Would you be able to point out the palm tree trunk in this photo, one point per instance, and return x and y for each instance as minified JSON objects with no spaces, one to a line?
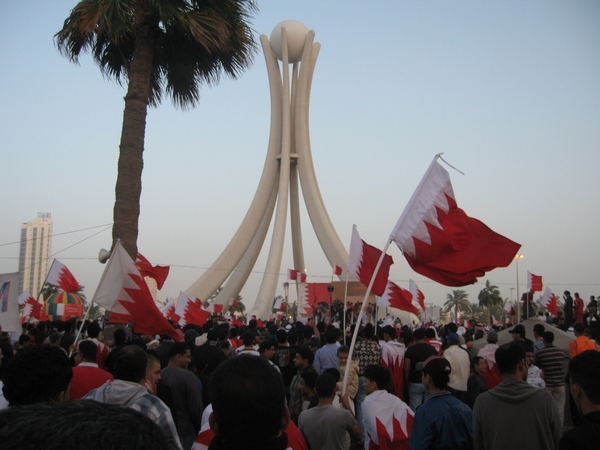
{"x":128,"y":189}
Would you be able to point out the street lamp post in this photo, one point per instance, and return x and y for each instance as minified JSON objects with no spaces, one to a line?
{"x":517,"y":258}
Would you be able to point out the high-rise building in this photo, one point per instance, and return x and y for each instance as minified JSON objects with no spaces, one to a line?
{"x":34,"y":254}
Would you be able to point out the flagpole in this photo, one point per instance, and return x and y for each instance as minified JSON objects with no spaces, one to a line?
{"x":345,"y":304}
{"x":85,"y":316}
{"x":362,"y":311}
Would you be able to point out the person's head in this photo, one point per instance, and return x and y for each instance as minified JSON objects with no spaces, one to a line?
{"x":578,"y":329}
{"x":368,"y":331}
{"x":248,"y":399}
{"x":82,"y":424}
{"x":36,"y":374}
{"x":389,"y":333}
{"x":93,"y":329}
{"x":331,"y":335}
{"x":281,"y":336}
{"x":153,"y":369}
{"x":584,"y":372}
{"x":304,"y":358}
{"x":308,"y":382}
{"x":206,"y":358}
{"x":88,"y":350}
{"x":333,"y":372}
{"x":131,"y":364}
{"x":548,"y":337}
{"x":538,"y":330}
{"x":518,"y":332}
{"x":325,"y":386}
{"x":430,"y":333}
{"x":120,"y":336}
{"x":511,"y":360}
{"x":377,"y":378}
{"x":342,"y":354}
{"x":435,"y":371}
{"x":267,"y":348}
{"x":24,"y":340}
{"x":478,"y":364}
{"x":452,"y":339}
{"x":492,"y":337}
{"x":529,"y":354}
{"x":419,"y":334}
{"x":248,"y":339}
{"x":179,"y":355}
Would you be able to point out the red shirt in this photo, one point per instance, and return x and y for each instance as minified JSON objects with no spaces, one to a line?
{"x":86,"y":377}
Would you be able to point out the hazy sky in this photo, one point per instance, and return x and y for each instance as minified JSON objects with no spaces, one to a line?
{"x":509,"y":92}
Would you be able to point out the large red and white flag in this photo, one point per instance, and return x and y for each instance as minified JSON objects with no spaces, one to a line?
{"x":158,"y":273}
{"x":122,"y":290}
{"x":441,"y":242}
{"x":396,"y":297}
{"x":387,"y":420}
{"x":534,"y":282}
{"x":417,"y":295}
{"x":362,"y":261}
{"x":61,"y":277}
{"x":548,"y":301}
{"x":190,"y":311}
{"x":509,"y":309}
{"x":305,"y":307}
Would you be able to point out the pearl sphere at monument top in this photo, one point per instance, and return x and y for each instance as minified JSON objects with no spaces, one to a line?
{"x":296,"y":35}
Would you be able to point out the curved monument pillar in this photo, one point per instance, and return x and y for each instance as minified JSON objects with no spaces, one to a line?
{"x":288,"y":165}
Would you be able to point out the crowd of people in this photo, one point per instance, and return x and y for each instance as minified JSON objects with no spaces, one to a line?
{"x":294,"y":385}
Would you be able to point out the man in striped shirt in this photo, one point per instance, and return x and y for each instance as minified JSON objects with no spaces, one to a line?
{"x":551,"y":360}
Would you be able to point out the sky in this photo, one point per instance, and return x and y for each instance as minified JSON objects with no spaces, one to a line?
{"x":509,"y":91}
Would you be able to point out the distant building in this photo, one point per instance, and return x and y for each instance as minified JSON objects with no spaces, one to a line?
{"x":34,"y":253}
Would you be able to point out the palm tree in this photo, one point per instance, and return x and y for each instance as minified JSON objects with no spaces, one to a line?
{"x":239,"y":309}
{"x":489,"y":297}
{"x":459,"y":301}
{"x":156,"y":47}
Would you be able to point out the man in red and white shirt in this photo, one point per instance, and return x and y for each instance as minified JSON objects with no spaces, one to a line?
{"x":87,"y":375}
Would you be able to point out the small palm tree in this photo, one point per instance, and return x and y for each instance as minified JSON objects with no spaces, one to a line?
{"x":458,"y":300}
{"x":489,"y":297}
{"x":239,"y":309}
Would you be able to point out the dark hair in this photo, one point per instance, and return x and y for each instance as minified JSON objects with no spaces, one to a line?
{"x":584,"y":370}
{"x":368,"y":331}
{"x":292,"y":337}
{"x":37,"y":374}
{"x":178,"y":348}
{"x":419,"y":334}
{"x":430,"y":333}
{"x":88,"y":349}
{"x":248,"y":399}
{"x":508,"y":357}
{"x":281,"y":336}
{"x":131,"y":364}
{"x":93,"y":329}
{"x":333,"y":372}
{"x":248,"y":339}
{"x":206,"y":358}
{"x":82,"y":424}
{"x":120,"y":336}
{"x":548,"y":337}
{"x":378,"y":374}
{"x":266,"y":345}
{"x":325,"y":385}
{"x":343,"y":349}
{"x":310,"y":378}
{"x":475,"y":360}
{"x":331,"y":335}
{"x":538,"y":329}
{"x":306,"y":353}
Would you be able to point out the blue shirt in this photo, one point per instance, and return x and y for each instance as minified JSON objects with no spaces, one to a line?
{"x":326,"y":357}
{"x":442,"y":422}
